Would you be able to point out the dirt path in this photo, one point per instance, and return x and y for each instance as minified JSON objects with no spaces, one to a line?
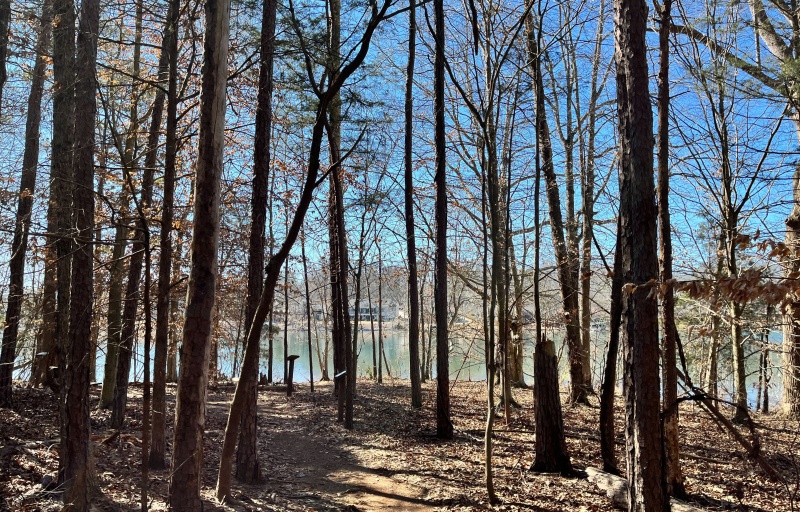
{"x":332,"y":477}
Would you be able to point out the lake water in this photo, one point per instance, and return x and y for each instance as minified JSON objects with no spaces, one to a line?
{"x":466,"y":361}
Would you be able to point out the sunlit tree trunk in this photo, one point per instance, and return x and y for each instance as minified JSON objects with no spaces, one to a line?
{"x":551,"y":449}
{"x":247,"y":465}
{"x":76,"y":443}
{"x":672,"y":463}
{"x":187,"y":456}
{"x":566,"y":277}
{"x":639,"y":262}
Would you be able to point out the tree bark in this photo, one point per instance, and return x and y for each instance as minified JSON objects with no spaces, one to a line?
{"x":76,"y":443}
{"x":187,"y":456}
{"x":672,"y":464}
{"x":639,"y":261}
{"x":27,"y":186}
{"x":607,"y":430}
{"x":168,"y":71}
{"x":551,"y":446}
{"x":411,"y":243}
{"x":444,"y":426}
{"x":247,"y":466}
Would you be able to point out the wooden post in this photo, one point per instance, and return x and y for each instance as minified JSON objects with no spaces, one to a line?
{"x":291,"y":360}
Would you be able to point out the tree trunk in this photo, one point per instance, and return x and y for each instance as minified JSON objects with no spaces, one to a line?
{"x":791,"y":331}
{"x":61,"y":180}
{"x":672,"y":463}
{"x":716,"y":322}
{"x":588,"y":189}
{"x":174,"y":313}
{"x":413,"y":289}
{"x":131,"y":303}
{"x":5,"y":19}
{"x":308,"y":310}
{"x":607,"y":430}
{"x":76,"y":443}
{"x":566,"y":277}
{"x":168,"y":70}
{"x":27,"y":186}
{"x":114,"y":317}
{"x":247,"y":466}
{"x":444,"y":426}
{"x":551,"y":449}
{"x":187,"y":456}
{"x":639,"y":262}
{"x":551,"y":446}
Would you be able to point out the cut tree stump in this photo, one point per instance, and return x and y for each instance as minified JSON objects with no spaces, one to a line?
{"x":616,"y":489}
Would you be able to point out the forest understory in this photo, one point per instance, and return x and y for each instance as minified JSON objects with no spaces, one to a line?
{"x":391,"y":460}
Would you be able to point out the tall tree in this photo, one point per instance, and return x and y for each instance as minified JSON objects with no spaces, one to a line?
{"x":27,"y":186}
{"x":672,"y":465}
{"x":247,"y":466}
{"x":169,"y":58}
{"x":340,"y":269}
{"x":76,"y":442}
{"x":61,"y":175}
{"x":187,"y":455}
{"x":411,"y":243}
{"x":639,"y":261}
{"x":131,"y":300}
{"x":444,"y":426}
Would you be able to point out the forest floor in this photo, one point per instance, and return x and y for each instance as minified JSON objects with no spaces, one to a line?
{"x":391,"y":460}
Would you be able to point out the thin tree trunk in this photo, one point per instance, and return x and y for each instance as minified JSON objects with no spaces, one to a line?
{"x":5,"y":19}
{"x":187,"y":456}
{"x":716,"y":322}
{"x":607,"y":430}
{"x":174,"y":310}
{"x":413,"y":290}
{"x":588,"y":188}
{"x":308,"y":309}
{"x":168,"y":69}
{"x":27,"y":186}
{"x":114,"y":317}
{"x":672,"y":465}
{"x":130,"y":305}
